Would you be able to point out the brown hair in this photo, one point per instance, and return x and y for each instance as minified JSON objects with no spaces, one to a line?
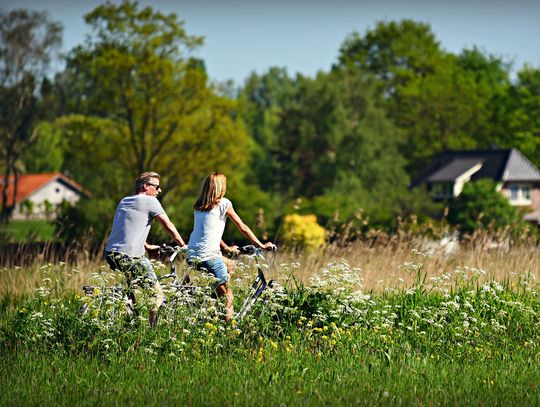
{"x":213,"y":189}
{"x":144,"y":178}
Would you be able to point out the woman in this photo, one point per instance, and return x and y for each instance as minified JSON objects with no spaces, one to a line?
{"x":211,"y":212}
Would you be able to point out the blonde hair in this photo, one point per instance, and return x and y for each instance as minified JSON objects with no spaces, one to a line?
{"x":213,"y":189}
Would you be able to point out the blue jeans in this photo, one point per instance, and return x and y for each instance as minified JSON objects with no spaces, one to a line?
{"x":215,"y":266}
{"x":137,"y":268}
{"x":132,"y":267}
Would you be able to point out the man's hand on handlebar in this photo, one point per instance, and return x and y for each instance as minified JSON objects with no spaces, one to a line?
{"x":153,"y":250}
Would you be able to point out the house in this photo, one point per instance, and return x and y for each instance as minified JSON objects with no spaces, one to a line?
{"x":39,"y":195}
{"x":517,"y":178}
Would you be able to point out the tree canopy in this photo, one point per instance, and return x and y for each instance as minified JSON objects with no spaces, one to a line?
{"x":133,"y":98}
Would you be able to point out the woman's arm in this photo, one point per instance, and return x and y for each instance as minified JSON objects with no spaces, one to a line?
{"x":246,"y":231}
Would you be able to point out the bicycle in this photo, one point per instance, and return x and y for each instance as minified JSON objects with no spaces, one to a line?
{"x":260,"y":284}
{"x":181,"y":294}
{"x":106,"y":301}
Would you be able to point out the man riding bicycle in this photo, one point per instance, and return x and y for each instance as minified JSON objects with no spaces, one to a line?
{"x":125,"y":250}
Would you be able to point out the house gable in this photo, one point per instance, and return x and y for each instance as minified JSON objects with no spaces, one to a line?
{"x":516,"y":177}
{"x":39,"y":188}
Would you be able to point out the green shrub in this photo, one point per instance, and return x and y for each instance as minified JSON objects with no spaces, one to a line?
{"x":480,"y":206}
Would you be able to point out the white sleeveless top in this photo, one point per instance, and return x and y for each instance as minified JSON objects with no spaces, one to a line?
{"x":208,"y":229}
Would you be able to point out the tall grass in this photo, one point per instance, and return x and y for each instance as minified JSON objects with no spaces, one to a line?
{"x":379,"y":264}
{"x":358,"y":323}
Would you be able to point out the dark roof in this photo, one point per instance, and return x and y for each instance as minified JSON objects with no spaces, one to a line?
{"x":518,"y":168}
{"x":498,"y":165}
{"x":453,"y":169}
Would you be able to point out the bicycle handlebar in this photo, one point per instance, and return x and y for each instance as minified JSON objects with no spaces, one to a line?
{"x":164,"y":249}
{"x":251,"y":249}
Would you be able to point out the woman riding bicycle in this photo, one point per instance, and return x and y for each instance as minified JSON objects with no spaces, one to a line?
{"x":211,"y":212}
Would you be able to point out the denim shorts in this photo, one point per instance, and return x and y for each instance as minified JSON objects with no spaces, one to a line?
{"x":215,"y":266}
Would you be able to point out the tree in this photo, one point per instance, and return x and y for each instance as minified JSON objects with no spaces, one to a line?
{"x":264,"y":98}
{"x":440,"y":100}
{"x":395,"y":52}
{"x":46,"y":154}
{"x":140,"y":102}
{"x":29,"y":40}
{"x":525,"y":114}
{"x":136,"y":73}
{"x":329,"y":142}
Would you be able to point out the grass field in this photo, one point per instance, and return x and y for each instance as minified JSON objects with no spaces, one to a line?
{"x":358,"y":326}
{"x":33,"y":230}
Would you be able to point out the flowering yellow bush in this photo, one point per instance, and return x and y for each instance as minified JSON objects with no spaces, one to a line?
{"x":303,"y":231}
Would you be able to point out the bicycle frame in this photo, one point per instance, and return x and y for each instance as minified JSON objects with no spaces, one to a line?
{"x":259,"y":285}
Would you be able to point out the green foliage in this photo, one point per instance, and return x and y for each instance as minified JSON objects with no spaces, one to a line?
{"x":395,"y":52}
{"x":90,"y":155}
{"x":480,"y":205}
{"x":140,"y":103}
{"x":327,"y":141}
{"x":25,"y":231}
{"x":27,"y":206}
{"x":46,"y":154}
{"x":28,"y":42}
{"x":462,"y":340}
{"x":439,"y":100}
{"x":525,"y":115}
{"x":303,"y":232}
{"x":87,"y":221}
{"x":163,"y":116}
{"x":133,"y":98}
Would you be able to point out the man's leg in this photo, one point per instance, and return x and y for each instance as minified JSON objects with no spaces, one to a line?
{"x":155,"y":287}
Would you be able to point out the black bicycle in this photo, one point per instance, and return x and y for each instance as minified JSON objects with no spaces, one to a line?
{"x":182,"y":294}
{"x":260,"y":284}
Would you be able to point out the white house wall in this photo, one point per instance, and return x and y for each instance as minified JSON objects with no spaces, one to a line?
{"x":55,"y":192}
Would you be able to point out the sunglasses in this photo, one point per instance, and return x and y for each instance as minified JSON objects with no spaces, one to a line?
{"x":157,"y":187}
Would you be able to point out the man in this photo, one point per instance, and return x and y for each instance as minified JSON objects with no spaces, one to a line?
{"x":127,"y":241}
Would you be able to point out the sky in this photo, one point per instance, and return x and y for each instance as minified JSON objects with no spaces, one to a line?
{"x":242,"y":36}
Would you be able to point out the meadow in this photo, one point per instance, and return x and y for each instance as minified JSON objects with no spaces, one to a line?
{"x":349,"y":324}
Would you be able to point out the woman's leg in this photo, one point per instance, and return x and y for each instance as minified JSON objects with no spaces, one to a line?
{"x":231,"y":264}
{"x":223,"y":290}
{"x":218,"y":268}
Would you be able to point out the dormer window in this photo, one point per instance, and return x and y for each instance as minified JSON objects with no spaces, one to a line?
{"x":520,"y":193}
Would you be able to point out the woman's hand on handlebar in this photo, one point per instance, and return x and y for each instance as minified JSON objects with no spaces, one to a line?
{"x":269,"y":246}
{"x":233,"y":250}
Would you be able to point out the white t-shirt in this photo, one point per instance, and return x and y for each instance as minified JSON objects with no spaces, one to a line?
{"x":207,"y":231}
{"x":131,"y":224}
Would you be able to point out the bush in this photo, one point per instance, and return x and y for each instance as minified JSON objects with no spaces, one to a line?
{"x":303,"y":231}
{"x":89,"y":220}
{"x":480,"y":206}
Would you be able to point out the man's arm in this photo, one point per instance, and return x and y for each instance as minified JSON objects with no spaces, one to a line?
{"x":229,"y":249}
{"x":170,"y":229}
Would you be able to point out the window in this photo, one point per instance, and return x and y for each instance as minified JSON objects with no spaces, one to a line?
{"x":520,"y":193}
{"x":442,"y":190}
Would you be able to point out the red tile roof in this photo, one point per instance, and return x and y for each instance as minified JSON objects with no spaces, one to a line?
{"x":29,"y":183}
